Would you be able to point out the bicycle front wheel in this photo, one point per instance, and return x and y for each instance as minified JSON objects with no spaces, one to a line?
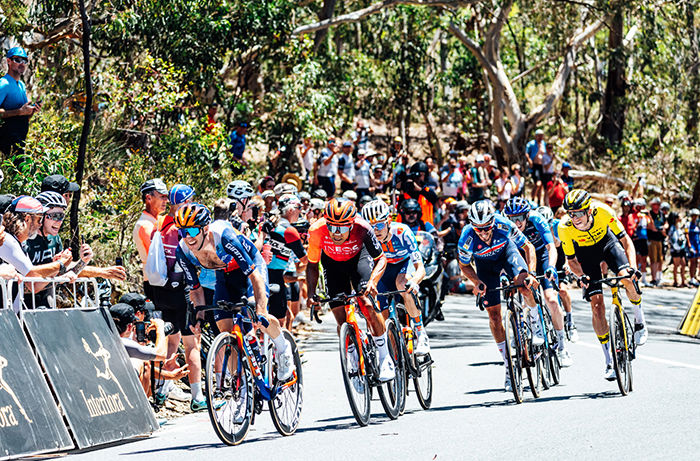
{"x":393,"y":392}
{"x":621,"y":339}
{"x":554,"y":367}
{"x":356,"y":384}
{"x":231,"y":392}
{"x":285,"y":406}
{"x":514,"y":355}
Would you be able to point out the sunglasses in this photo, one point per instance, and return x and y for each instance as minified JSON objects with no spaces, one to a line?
{"x":577,"y":214}
{"x":409,"y":213}
{"x":20,"y":60}
{"x":379,"y":226}
{"x":484,"y":229}
{"x":189,"y":232}
{"x":57,"y":216}
{"x":518,"y":218}
{"x":338,"y":229}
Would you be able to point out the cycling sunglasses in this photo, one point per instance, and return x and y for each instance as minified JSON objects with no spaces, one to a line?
{"x":57,"y":216}
{"x":518,"y":218}
{"x":483,"y":229}
{"x":379,"y":226}
{"x":20,"y":60}
{"x":577,"y":214}
{"x":338,"y":229}
{"x":189,"y":232}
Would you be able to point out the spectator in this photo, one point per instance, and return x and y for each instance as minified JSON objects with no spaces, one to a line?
{"x":536,"y":150}
{"x":59,"y":183}
{"x":565,"y":168}
{"x":641,"y":236}
{"x":692,"y":231}
{"x":237,"y":141}
{"x":346,"y":168}
{"x":628,"y":217}
{"x":479,"y":180}
{"x":433,"y":180}
{"x":360,"y":137}
{"x":362,"y":179}
{"x":328,"y":167}
{"x":504,"y":188}
{"x":15,"y":107}
{"x":307,"y":154}
{"x":556,"y":191}
{"x":518,"y":180}
{"x":491,"y":168}
{"x":414,"y":187}
{"x":657,"y":234}
{"x":380,"y":180}
{"x":154,"y":195}
{"x":452,"y":180}
{"x":266,"y":183}
{"x":548,"y":165}
{"x":679,"y":246}
{"x":396,"y":150}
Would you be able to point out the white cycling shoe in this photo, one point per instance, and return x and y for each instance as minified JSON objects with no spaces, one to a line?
{"x":285,"y":363}
{"x":423,"y":345}
{"x":565,"y":359}
{"x":508,"y":386}
{"x":537,"y":336}
{"x":640,"y":334}
{"x":386,"y":369}
{"x":609,"y":373}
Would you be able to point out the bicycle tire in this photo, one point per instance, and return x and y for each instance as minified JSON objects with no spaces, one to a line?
{"x":553,"y":358}
{"x":392,"y":392}
{"x":424,"y":381}
{"x":514,"y":355}
{"x":620,"y":353}
{"x":221,"y":398}
{"x":549,"y":378}
{"x":285,"y":406}
{"x":361,"y":406}
{"x":534,"y":376}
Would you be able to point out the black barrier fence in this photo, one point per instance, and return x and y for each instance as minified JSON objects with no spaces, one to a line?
{"x":91,"y":375}
{"x":29,"y":419}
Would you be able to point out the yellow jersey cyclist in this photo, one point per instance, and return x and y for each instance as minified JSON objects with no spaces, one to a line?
{"x":240,"y":271}
{"x":403,"y":258}
{"x":352,"y":259}
{"x":590,"y":234}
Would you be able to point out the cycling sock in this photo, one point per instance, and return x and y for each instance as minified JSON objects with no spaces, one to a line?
{"x":534,"y":315}
{"x":196,"y":388}
{"x":418,"y":325}
{"x":218,"y":379}
{"x":380,"y":341}
{"x":561,"y":338}
{"x":638,"y":312}
{"x":280,"y":343}
{"x":605,"y":342}
{"x":502,"y":350}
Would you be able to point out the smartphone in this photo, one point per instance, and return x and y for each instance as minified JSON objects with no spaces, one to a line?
{"x":118,"y":261}
{"x":140,"y":331}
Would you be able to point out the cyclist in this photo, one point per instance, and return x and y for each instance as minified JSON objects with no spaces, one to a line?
{"x":591,"y":234}
{"x":536,"y":229}
{"x":352,"y":258}
{"x":562,"y":265}
{"x":241,"y":192}
{"x":401,"y":250}
{"x":240,"y":271}
{"x":492,"y":243}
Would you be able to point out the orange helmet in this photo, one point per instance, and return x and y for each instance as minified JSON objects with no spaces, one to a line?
{"x":340,"y":212}
{"x":192,"y":215}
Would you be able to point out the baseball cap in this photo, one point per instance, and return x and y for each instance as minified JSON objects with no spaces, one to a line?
{"x":347,"y":144}
{"x":27,"y":204}
{"x":155,"y":184}
{"x":398,"y":139}
{"x":565,"y":165}
{"x":16,"y":51}
{"x":58,"y":183}
{"x":137,"y":301}
{"x":5,"y":201}
{"x":539,"y":131}
{"x":122,"y":314}
{"x":479,"y":158}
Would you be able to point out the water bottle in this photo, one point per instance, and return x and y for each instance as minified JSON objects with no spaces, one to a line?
{"x":408,"y":334}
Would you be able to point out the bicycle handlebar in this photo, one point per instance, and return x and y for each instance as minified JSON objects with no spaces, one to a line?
{"x":244,"y":305}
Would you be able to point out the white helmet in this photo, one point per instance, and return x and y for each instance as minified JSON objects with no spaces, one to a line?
{"x":51,"y":199}
{"x":350,"y":195}
{"x":376,"y":211}
{"x":317,"y":204}
{"x":239,"y":190}
{"x":546,"y":213}
{"x":481,"y":213}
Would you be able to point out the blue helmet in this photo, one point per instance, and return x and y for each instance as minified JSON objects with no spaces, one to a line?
{"x":516,"y":205}
{"x":16,"y":51}
{"x":180,"y":193}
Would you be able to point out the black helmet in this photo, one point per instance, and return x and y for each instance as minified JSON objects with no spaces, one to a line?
{"x":419,"y":167}
{"x":409,"y":205}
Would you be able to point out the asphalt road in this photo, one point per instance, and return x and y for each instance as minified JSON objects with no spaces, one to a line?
{"x":472,"y":417}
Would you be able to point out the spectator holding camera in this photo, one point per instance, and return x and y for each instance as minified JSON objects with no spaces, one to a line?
{"x":15,"y":107}
{"x":415,"y":187}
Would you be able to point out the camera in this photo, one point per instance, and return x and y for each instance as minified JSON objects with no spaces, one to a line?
{"x":142,"y":336}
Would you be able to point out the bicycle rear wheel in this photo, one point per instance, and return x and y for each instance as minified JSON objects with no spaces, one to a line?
{"x":552,"y":358}
{"x":393,"y":392}
{"x":534,"y":370}
{"x":514,"y":355}
{"x":231,"y":397}
{"x":356,"y":384}
{"x":285,"y":406}
{"x":621,"y":341}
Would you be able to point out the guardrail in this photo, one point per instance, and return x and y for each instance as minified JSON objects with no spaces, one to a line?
{"x":78,"y":288}
{"x":6,"y":293}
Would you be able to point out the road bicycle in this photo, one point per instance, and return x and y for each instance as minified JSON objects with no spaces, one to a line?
{"x":415,"y":367}
{"x":241,"y":373}
{"x":359,"y":360}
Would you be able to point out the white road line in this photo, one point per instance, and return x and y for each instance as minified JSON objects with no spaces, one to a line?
{"x":646,"y":357}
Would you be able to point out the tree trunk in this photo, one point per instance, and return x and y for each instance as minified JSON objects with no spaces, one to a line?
{"x":614,"y":105}
{"x":325,"y":13}
{"x":82,"y":147}
{"x":695,"y":200}
{"x":693,"y":96}
{"x":433,"y":138}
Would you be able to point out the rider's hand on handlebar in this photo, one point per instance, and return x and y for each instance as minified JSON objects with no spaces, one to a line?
{"x":634,"y":274}
{"x":551,"y":273}
{"x":413,"y":287}
{"x":479,"y":289}
{"x":584,"y":281}
{"x":371,"y":289}
{"x":530,"y":281}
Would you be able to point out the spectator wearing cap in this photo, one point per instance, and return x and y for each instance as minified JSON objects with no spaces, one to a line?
{"x":307,"y":154}
{"x":535,"y":151}
{"x":237,"y":142}
{"x":154,"y":195}
{"x":328,"y":167}
{"x":479,"y":180}
{"x":143,"y":308}
{"x":346,"y":167}
{"x":15,"y":107}
{"x":565,"y":168}
{"x":59,"y":183}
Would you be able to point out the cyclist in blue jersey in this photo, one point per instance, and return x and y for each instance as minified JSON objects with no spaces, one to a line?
{"x":537,"y":231}
{"x":240,"y":271}
{"x":401,"y":250}
{"x":491,"y":242}
{"x":562,"y":265}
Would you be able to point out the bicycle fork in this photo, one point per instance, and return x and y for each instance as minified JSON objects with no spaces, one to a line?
{"x":351,"y":318}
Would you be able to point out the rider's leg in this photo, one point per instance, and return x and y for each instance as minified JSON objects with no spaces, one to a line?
{"x":497,"y":330}
{"x":410,"y":304}
{"x":550,"y":298}
{"x":600,"y":324}
{"x":193,"y":357}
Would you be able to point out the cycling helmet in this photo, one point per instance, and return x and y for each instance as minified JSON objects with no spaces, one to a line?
{"x":239,"y":190}
{"x":317,"y":204}
{"x":462,"y":206}
{"x":340,"y":212}
{"x":320,"y":193}
{"x":303,"y":195}
{"x":376,"y":211}
{"x":639,"y":202}
{"x":665,"y":206}
{"x":546,"y":213}
{"x":419,"y":167}
{"x":654,"y":201}
{"x":288,"y":201}
{"x":694,"y":212}
{"x":51,"y":199}
{"x":192,"y":215}
{"x":516,"y":205}
{"x":482,"y":213}
{"x":577,"y":199}
{"x":350,"y":195}
{"x":364,"y":200}
{"x":410,"y":205}
{"x":180,"y":193}
{"x":622,"y":194}
{"x":285,"y":188}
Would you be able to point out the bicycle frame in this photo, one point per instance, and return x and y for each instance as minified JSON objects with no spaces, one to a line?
{"x":617,"y":304}
{"x":351,"y":318}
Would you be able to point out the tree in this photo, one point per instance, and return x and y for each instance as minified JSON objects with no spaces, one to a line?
{"x":614,"y":107}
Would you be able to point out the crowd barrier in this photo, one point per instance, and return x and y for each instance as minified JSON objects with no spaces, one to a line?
{"x":65,"y":378}
{"x":690,"y":325}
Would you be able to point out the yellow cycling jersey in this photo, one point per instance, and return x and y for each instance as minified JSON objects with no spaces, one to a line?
{"x":603,"y":219}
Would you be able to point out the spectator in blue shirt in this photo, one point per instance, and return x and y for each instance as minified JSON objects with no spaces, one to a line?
{"x":565,"y":167}
{"x":536,"y":150}
{"x":237,"y":141}
{"x":15,"y":107}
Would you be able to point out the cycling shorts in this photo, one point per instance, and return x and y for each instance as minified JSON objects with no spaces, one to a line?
{"x":347,"y":276}
{"x":489,"y":271}
{"x":388,"y":281}
{"x":610,"y":250}
{"x":293,"y":292}
{"x":277,"y":303}
{"x":641,"y":247}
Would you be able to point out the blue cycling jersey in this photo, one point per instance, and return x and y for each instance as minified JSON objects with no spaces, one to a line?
{"x":401,"y":244}
{"x":471,"y":247}
{"x":537,"y":231}
{"x":694,"y":236}
{"x":554,"y":225}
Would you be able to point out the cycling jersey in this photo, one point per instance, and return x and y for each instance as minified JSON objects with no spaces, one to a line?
{"x":537,"y":231}
{"x":361,"y":235}
{"x":284,"y":242}
{"x":603,"y":219}
{"x":555,"y":230}
{"x":471,"y":247}
{"x":42,"y":249}
{"x":401,"y":244}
